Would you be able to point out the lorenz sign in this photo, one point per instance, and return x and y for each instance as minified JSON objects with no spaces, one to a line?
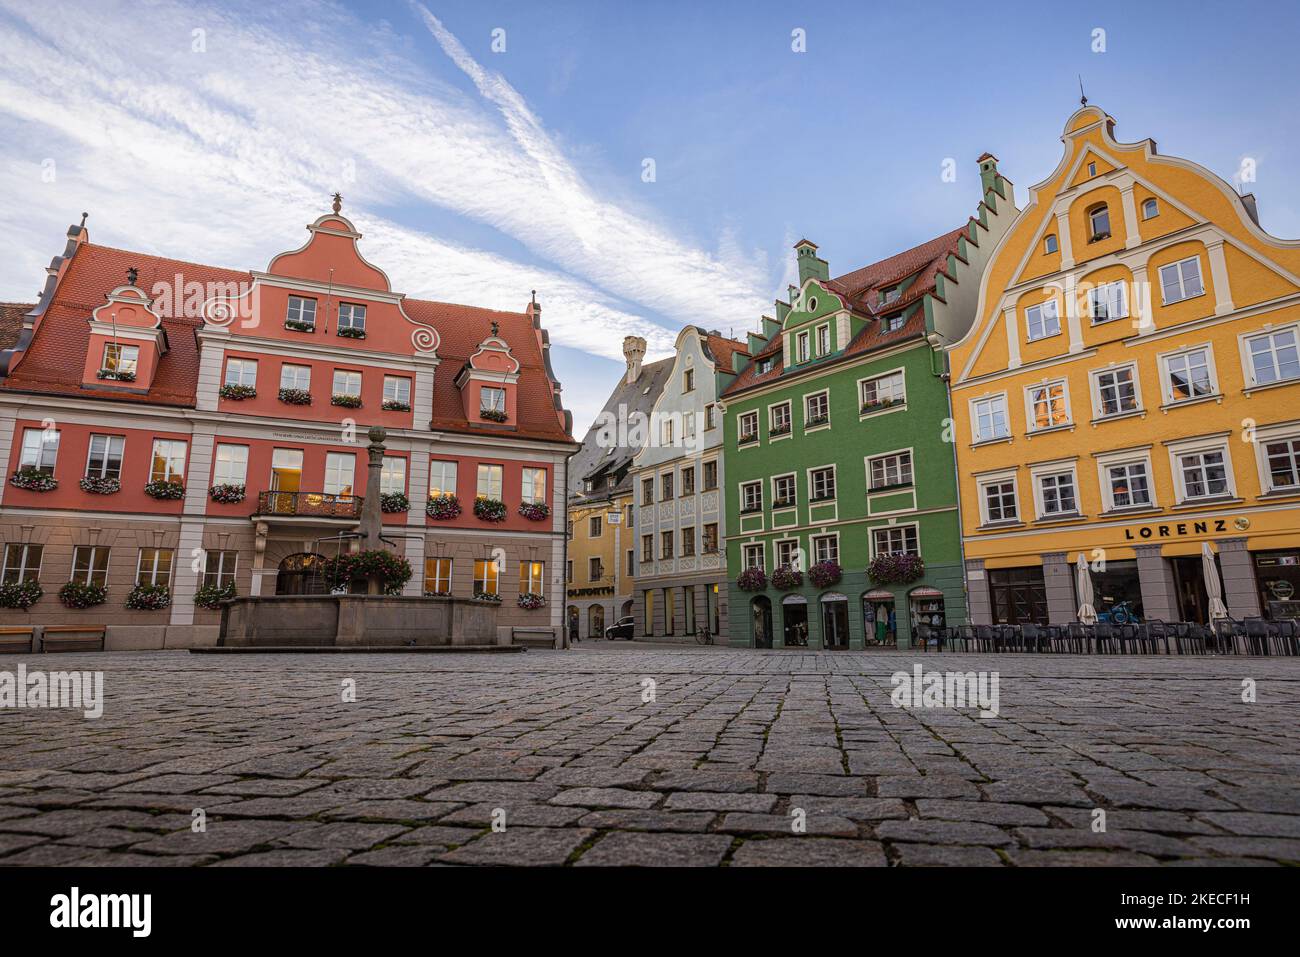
{"x":1211,"y":526}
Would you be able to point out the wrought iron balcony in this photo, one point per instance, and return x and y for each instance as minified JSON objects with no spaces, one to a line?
{"x":309,"y":505}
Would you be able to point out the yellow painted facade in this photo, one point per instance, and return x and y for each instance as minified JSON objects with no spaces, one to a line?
{"x":1131,"y":389}
{"x":599,"y":594}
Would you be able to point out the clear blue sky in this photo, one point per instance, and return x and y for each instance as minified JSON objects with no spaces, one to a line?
{"x":479,"y":175}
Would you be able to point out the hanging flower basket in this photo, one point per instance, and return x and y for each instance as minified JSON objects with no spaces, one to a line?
{"x":100,"y":485}
{"x":116,"y":375}
{"x":347,"y":332}
{"x":531,"y":600}
{"x":211,"y":596}
{"x":237,"y":392}
{"x":492,"y":415}
{"x":786,"y":577}
{"x":165,"y":489}
{"x":346,"y":401}
{"x":83,"y":594}
{"x":396,"y":405}
{"x":490,"y":599}
{"x":490,"y":509}
{"x":442,"y":507}
{"x":752,"y":579}
{"x":896,"y":569}
{"x":227,"y":494}
{"x":297,"y":325}
{"x":295,"y":396}
{"x":393,"y":502}
{"x":534,"y":511}
{"x":145,"y":597}
{"x":393,"y":571}
{"x":20,"y":594}
{"x":825,"y":574}
{"x":34,"y":480}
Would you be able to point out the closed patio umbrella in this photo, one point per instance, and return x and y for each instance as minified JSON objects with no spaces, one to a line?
{"x":1212,"y":588}
{"x":1083,"y":581}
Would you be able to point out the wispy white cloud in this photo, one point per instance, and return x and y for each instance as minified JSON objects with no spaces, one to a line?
{"x":218,"y":156}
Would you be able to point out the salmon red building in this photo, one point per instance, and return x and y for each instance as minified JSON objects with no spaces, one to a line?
{"x":173,"y":432}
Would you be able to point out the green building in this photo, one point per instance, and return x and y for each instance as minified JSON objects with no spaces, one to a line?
{"x":842,"y":524}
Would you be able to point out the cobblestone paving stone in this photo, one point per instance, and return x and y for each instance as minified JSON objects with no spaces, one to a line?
{"x":735,"y":747}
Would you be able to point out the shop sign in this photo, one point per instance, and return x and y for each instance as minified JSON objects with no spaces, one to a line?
{"x":1177,"y":529}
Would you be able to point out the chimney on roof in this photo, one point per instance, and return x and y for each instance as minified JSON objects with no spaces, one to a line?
{"x":988,"y":172}
{"x":633,"y":352}
{"x":810,"y":266}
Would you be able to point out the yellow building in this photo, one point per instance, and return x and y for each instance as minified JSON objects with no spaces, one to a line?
{"x":599,"y":581}
{"x":1130,"y":390}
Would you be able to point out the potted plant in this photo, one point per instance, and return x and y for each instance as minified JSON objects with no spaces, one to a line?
{"x":20,"y":595}
{"x":492,"y":415}
{"x":490,"y":509}
{"x":237,"y":392}
{"x":752,"y":579}
{"x":393,"y":502}
{"x":146,"y":597}
{"x":396,"y":405}
{"x":211,"y":596}
{"x":226,"y":493}
{"x":100,"y":484}
{"x":442,"y":507}
{"x":346,"y":401}
{"x":534,"y":511}
{"x":295,"y":396}
{"x":896,"y":569}
{"x":785,"y":577}
{"x":165,"y":489}
{"x":34,"y":480}
{"x":530,"y":601}
{"x":83,"y":594}
{"x":824,"y":574}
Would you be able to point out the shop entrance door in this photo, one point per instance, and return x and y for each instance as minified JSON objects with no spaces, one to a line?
{"x":1189,"y":586}
{"x":835,"y":622}
{"x":794,"y":621}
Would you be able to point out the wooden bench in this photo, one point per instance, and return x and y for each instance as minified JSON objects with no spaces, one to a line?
{"x":17,"y":641}
{"x":533,"y":637}
{"x":57,"y":638}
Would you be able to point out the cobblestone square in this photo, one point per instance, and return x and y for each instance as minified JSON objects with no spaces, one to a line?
{"x":737,"y":758}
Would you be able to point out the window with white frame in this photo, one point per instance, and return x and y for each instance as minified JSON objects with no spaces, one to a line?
{"x":40,"y":450}
{"x":1274,"y":356}
{"x":397,"y":389}
{"x":442,"y":478}
{"x":1098,"y":220}
{"x":352,"y":315}
{"x":532,"y":578}
{"x":787,"y":553}
{"x":1108,"y":301}
{"x":1203,"y":474}
{"x":894,"y":540}
{"x":688,"y":380}
{"x":753,"y":556}
{"x":120,"y":359}
{"x":1043,"y":320}
{"x":748,"y":427}
{"x":340,"y":473}
{"x":533,"y":488}
{"x":895,"y":322}
{"x":491,"y":399}
{"x":666,"y":434}
{"x":889,"y":471}
{"x":347,"y":383}
{"x":688,"y":426}
{"x":801,"y":347}
{"x":241,"y":372}
{"x":22,"y":563}
{"x":486,"y":577}
{"x":437,"y":576}
{"x":817,"y":408}
{"x":823,"y":340}
{"x":1181,"y":280}
{"x":90,"y":565}
{"x":1189,"y":375}
{"x":1049,"y":243}
{"x":230,"y":465}
{"x":301,"y":310}
{"x":219,"y":568}
{"x":154,"y":566}
{"x":1150,"y":208}
{"x":1128,"y":484}
{"x":1056,"y":493}
{"x":883,"y":391}
{"x":783,"y":491}
{"x":751,"y":497}
{"x":104,"y":459}
{"x":295,"y":377}
{"x":1282,"y":460}
{"x":826,"y":548}
{"x":392,"y":475}
{"x":821,"y":484}
{"x":998,"y":498}
{"x":1048,"y":405}
{"x":1116,"y":391}
{"x":989,"y":418}
{"x":779,"y":419}
{"x":168,"y":464}
{"x":489,"y":481}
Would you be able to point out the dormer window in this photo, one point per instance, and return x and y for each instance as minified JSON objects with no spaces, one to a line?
{"x":301,"y":315}
{"x":1049,"y":244}
{"x":120,"y":362}
{"x":492,"y":403}
{"x":889,"y":295}
{"x":764,"y":366}
{"x":893,"y":323}
{"x":1099,"y":223}
{"x":352,"y":320}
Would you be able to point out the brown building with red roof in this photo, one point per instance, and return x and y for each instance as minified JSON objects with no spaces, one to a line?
{"x":173,"y":432}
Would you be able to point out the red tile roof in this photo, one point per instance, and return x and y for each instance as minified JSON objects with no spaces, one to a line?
{"x":723,"y":349}
{"x":11,"y":321}
{"x":53,"y":363}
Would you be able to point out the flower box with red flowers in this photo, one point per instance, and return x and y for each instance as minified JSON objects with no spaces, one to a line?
{"x":530,"y":601}
{"x":489,"y":509}
{"x":33,"y":480}
{"x":534,"y":511}
{"x":100,"y":484}
{"x":165,"y":489}
{"x":227,"y":494}
{"x":442,"y":507}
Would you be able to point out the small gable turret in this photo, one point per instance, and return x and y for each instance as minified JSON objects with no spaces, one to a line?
{"x":127,"y":340}
{"x":489,"y":383}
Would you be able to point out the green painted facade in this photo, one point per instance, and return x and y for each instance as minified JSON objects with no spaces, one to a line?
{"x":861,"y":518}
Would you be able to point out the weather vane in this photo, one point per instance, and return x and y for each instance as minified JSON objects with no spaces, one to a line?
{"x":338,"y":202}
{"x":1083,"y":99}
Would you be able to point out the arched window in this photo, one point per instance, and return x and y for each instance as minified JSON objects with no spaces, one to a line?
{"x":1049,"y":243}
{"x":1099,"y":223}
{"x":1150,"y":208}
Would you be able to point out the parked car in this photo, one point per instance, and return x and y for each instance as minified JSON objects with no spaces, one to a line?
{"x":620,"y":629}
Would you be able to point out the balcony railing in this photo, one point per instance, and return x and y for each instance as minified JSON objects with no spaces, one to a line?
{"x":309,"y":504}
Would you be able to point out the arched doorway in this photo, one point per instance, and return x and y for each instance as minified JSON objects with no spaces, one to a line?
{"x":794,"y":621}
{"x":879,"y":623}
{"x":835,"y":620}
{"x":596,"y":621}
{"x":299,"y":574}
{"x":761,"y":610}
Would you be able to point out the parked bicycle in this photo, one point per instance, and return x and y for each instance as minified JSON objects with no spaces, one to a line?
{"x":703,"y":636}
